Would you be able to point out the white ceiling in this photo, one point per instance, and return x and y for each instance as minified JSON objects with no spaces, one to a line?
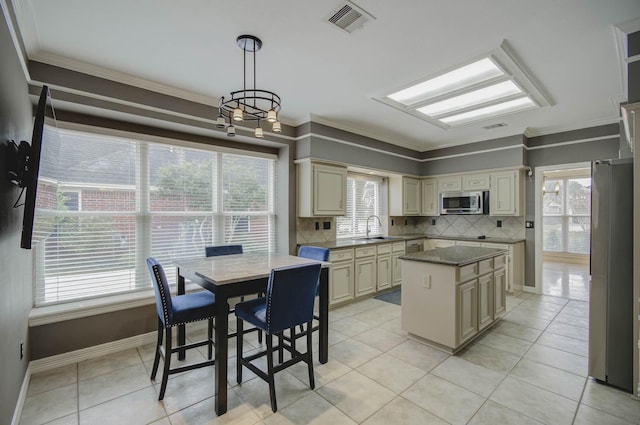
{"x":328,"y":75}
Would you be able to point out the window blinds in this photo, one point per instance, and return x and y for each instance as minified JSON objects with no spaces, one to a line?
{"x":105,"y":204}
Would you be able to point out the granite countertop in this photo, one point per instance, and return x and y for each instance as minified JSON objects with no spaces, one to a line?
{"x":454,"y":255}
{"x":349,"y":243}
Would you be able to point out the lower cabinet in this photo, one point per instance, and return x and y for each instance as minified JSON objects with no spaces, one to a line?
{"x":467,"y":301}
{"x":448,"y":306}
{"x":366,"y":270}
{"x":384,"y":267}
{"x":341,"y":276}
{"x":398,"y":249}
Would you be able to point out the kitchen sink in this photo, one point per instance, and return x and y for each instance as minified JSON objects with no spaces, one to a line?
{"x":380,"y":238}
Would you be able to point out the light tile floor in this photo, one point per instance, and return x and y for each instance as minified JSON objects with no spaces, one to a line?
{"x":566,"y":280}
{"x":530,"y":368}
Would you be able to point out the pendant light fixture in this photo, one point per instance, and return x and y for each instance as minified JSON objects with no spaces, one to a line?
{"x":250,"y":103}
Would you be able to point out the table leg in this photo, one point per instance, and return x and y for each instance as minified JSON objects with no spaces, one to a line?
{"x":324,"y":316}
{"x":221,"y":349}
{"x":181,"y":328}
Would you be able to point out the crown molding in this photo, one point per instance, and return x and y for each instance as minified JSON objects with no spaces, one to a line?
{"x":121,"y":77}
{"x":543,"y":131}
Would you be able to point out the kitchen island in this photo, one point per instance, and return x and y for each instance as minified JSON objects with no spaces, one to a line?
{"x":452,"y":295}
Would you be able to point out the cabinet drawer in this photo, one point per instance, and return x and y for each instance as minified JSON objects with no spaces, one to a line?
{"x":365,"y":252}
{"x":398,"y":246}
{"x":467,"y":272}
{"x":341,"y":255}
{"x":499,"y":261}
{"x":384,"y":248}
{"x":485,"y":266}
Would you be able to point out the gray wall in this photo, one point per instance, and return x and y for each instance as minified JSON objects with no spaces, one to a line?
{"x":542,"y":152}
{"x":15,"y":263}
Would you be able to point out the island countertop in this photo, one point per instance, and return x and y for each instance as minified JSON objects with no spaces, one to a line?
{"x":454,"y":255}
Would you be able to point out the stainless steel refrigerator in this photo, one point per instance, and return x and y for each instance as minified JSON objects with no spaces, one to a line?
{"x":611,"y":294}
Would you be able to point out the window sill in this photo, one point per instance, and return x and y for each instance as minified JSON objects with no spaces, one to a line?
{"x":76,"y":310}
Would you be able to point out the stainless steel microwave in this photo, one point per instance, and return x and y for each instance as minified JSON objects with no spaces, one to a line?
{"x":464,"y":202}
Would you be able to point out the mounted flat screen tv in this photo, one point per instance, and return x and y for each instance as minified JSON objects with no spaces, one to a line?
{"x":43,"y":126}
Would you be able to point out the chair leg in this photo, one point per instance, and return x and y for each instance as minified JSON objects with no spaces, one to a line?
{"x":167,"y":363}
{"x":156,"y":360}
{"x":210,"y":338}
{"x":270,"y":373}
{"x":281,"y":347}
{"x":312,"y":382}
{"x":292,"y":333}
{"x":239,"y":341}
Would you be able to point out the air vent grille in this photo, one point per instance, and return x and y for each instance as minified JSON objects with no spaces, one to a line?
{"x":349,"y":17}
{"x":492,"y":126}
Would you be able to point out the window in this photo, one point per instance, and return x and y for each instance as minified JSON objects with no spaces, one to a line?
{"x":366,"y":196}
{"x":566,"y":214}
{"x":133,"y":199}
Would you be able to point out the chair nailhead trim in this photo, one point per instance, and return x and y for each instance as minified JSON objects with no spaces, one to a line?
{"x":162,"y":294}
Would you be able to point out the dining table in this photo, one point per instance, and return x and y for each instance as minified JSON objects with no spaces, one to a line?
{"x":230,"y":276}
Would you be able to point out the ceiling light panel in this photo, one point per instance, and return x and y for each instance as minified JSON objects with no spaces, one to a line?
{"x":468,"y":75}
{"x":503,"y":108}
{"x":474,"y":98}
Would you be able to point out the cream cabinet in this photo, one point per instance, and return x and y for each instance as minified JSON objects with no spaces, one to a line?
{"x":479,"y":181}
{"x":404,"y":196}
{"x":485,"y":300}
{"x":514,"y":265}
{"x":398,"y":249}
{"x":430,"y":199}
{"x":448,"y":306}
{"x":466,"y":310}
{"x":322,"y":190}
{"x":450,"y":183}
{"x":341,"y":282}
{"x":384,"y":267}
{"x":499,"y":298}
{"x":365,"y":270}
{"x":506,"y":196}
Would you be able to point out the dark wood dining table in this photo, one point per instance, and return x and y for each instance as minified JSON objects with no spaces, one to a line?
{"x":244,"y":274}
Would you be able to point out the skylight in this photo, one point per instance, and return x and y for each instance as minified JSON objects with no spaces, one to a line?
{"x":480,"y":89}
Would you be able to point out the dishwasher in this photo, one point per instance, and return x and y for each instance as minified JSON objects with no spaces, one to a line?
{"x":414,"y":246}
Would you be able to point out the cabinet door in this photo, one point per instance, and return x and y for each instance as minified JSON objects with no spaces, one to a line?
{"x":485,"y":300}
{"x":365,"y":275}
{"x":384,"y":271}
{"x":450,"y":184}
{"x":396,"y":271}
{"x":500,"y":297}
{"x":430,"y":197}
{"x":509,"y":248}
{"x":411,"y":189}
{"x":467,"y":310}
{"x":341,"y":282}
{"x":503,"y":194}
{"x":475,"y":182}
{"x":329,"y":190}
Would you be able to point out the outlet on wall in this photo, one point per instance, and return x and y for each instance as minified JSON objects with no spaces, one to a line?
{"x":499,"y":223}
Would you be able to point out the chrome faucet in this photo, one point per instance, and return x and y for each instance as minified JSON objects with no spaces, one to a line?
{"x":369,"y":230}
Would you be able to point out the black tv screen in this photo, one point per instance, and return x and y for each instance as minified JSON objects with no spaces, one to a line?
{"x":44,"y":117}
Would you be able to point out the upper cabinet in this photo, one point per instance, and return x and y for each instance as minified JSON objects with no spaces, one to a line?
{"x":322,"y":190}
{"x":507,"y":193}
{"x":430,"y":197}
{"x":475,"y":181}
{"x":450,"y":183}
{"x":404,"y":196}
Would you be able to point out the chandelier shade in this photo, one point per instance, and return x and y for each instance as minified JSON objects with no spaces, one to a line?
{"x":251,"y":103}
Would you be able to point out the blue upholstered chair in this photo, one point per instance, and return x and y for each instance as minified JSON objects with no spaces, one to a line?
{"x":215,"y":251}
{"x":289,"y":300}
{"x":313,"y":253}
{"x":174,"y":311}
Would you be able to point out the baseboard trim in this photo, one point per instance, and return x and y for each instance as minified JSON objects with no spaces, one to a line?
{"x":82,"y":354}
{"x":17,"y":413}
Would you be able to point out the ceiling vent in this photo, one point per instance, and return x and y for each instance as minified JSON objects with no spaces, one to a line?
{"x":349,"y":17}
{"x":492,"y":126}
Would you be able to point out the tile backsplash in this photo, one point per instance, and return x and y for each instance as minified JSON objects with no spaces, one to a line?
{"x":446,"y":225}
